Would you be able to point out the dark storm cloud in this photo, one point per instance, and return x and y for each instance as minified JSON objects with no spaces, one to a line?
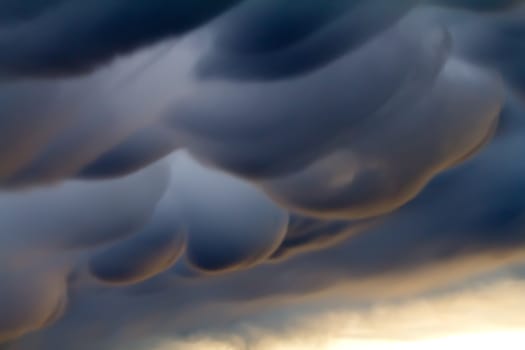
{"x":147,"y":253}
{"x":57,"y":129}
{"x":365,"y":177}
{"x":474,"y":210}
{"x":40,"y":228}
{"x":76,"y":214}
{"x":495,"y":42}
{"x":242,"y":227}
{"x":137,"y":151}
{"x":13,"y":10}
{"x":30,"y":299}
{"x":306,"y":233}
{"x":372,"y":147}
{"x":23,"y":133}
{"x":480,"y":5}
{"x":62,"y":37}
{"x":352,"y":155}
{"x":302,"y":36}
{"x":155,"y":249}
{"x":245,"y":128}
{"x":477,"y":207}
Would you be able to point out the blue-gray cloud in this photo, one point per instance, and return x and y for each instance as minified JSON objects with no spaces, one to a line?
{"x":175,"y":166}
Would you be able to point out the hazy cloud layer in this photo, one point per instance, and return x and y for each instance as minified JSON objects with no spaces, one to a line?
{"x":173,"y":167}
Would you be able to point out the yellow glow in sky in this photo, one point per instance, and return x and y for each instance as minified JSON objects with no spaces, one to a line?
{"x":484,"y":341}
{"x":507,"y":340}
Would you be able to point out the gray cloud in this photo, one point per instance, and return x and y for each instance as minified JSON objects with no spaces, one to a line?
{"x":247,"y":48}
{"x":379,"y":168}
{"x":62,"y":37}
{"x":239,"y":231}
{"x":42,"y":228}
{"x":483,"y":5}
{"x":153,"y":187}
{"x":213,"y":122}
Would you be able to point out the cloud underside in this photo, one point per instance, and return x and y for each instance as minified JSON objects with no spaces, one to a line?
{"x":172,"y":167}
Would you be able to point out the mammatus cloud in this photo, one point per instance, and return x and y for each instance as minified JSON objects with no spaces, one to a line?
{"x":483,"y":5}
{"x":177,"y":167}
{"x":303,"y":36}
{"x":56,"y":37}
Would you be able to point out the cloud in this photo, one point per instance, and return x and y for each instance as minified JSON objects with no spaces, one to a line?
{"x":137,"y":151}
{"x":62,"y":128}
{"x":30,"y":299}
{"x":55,"y":37}
{"x":247,"y":48}
{"x":380,"y":168}
{"x":488,"y":314}
{"x":354,"y":158}
{"x":142,"y":256}
{"x":42,"y":229}
{"x":213,"y":122}
{"x":178,"y":168}
{"x":485,"y":5}
{"x":239,"y":231}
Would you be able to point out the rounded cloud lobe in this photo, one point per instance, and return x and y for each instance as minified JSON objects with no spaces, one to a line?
{"x":174,"y":166}
{"x":240,"y":230}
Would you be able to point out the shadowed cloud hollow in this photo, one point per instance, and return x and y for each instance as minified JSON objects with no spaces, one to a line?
{"x":303,"y":36}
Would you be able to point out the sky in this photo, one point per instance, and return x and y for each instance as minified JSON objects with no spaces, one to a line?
{"x":262,"y":174}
